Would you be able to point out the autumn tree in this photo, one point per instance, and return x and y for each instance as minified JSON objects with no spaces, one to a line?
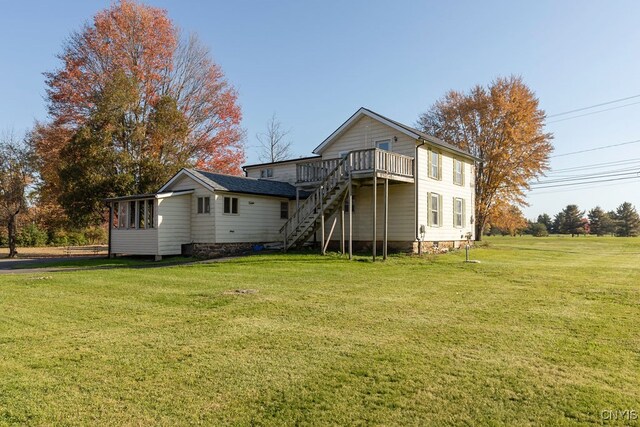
{"x":274,"y":145}
{"x":501,"y":124}
{"x":15,"y":176}
{"x":508,"y":218}
{"x":628,"y":220}
{"x":174,"y":79}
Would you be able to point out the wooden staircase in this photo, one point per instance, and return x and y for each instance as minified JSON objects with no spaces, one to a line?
{"x":325,"y":200}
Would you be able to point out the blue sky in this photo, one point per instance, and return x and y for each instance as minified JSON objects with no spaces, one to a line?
{"x":314,"y":63}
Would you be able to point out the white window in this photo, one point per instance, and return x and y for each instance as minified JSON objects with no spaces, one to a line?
{"x":132,"y":214}
{"x":231,"y":205}
{"x":435,"y":165}
{"x":122,"y":207}
{"x":204,"y":205}
{"x":116,"y":214}
{"x":458,"y":212}
{"x":266,"y":173}
{"x":384,"y":144}
{"x":458,"y":172}
{"x":435,"y":209}
{"x":141,"y":217}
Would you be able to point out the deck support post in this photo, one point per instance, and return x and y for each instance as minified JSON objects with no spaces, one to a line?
{"x":350,"y":218}
{"x":386,"y":218}
{"x":342,"y":226}
{"x":297,"y":198}
{"x":375,"y":216}
{"x":322,"y":231}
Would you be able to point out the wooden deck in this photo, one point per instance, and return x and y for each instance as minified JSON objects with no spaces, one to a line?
{"x":360,"y":164}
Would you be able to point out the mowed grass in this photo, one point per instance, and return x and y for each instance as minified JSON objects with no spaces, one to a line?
{"x":542,"y":331}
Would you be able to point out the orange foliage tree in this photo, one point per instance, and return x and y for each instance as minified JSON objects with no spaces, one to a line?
{"x":142,"y":43}
{"x":502,"y":125}
{"x":507,"y":218}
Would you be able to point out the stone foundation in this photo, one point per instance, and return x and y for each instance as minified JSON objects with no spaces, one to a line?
{"x":403,"y":247}
{"x":218,"y":250}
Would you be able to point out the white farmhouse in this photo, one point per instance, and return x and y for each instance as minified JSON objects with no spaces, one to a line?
{"x":421,"y":187}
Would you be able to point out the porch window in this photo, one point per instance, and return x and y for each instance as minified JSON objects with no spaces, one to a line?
{"x":384,"y":144}
{"x":204,"y":205}
{"x":458,"y":212}
{"x":231,"y":205}
{"x":458,"y":172}
{"x":284,"y":210}
{"x":114,"y":220}
{"x":132,"y":214}
{"x":122,"y":214}
{"x":435,"y":209}
{"x":141,"y":216}
{"x":435,"y":165}
{"x":150,"y":215}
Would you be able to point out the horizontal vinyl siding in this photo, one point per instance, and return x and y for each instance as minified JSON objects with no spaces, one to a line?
{"x":364,"y":133}
{"x":281,"y":172}
{"x":174,"y":225}
{"x":202,"y":225}
{"x":401,"y":214}
{"x":134,"y":241}
{"x":258,"y":219}
{"x":448,"y":190}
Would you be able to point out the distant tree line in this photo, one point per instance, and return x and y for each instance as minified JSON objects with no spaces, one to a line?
{"x":623,"y":222}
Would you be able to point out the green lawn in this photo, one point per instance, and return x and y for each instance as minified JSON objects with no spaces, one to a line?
{"x":543,"y":331}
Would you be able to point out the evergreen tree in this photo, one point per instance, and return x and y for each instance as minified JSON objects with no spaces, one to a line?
{"x":546,"y":220}
{"x":572,"y":221}
{"x":601,"y":222}
{"x":628,"y":220}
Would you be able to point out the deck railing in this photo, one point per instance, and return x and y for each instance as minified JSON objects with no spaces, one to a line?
{"x":315,"y":171}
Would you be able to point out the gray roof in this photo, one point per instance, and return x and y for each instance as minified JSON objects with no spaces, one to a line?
{"x":241,"y":184}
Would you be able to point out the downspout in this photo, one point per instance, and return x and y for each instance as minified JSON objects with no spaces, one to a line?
{"x":415,"y":186}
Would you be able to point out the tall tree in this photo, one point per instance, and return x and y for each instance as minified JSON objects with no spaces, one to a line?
{"x":628,"y":220}
{"x":15,"y":176}
{"x":171,"y":74}
{"x":558,"y":223}
{"x":546,"y":220}
{"x":274,"y":145}
{"x":572,"y":221}
{"x":600,"y":221}
{"x":503,"y":125}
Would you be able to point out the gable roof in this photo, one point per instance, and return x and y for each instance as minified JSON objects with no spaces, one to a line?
{"x":236,"y":184}
{"x":281,"y":162}
{"x":407,"y":130}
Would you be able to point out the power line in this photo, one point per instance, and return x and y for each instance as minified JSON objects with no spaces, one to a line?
{"x":610,"y":174}
{"x":597,"y":148}
{"x":593,"y":112}
{"x":593,"y":106}
{"x":588,"y":182}
{"x":593,"y":166}
{"x":535,"y":192}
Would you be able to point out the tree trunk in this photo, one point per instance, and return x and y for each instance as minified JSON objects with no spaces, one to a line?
{"x":479,"y":228}
{"x":11,"y":231}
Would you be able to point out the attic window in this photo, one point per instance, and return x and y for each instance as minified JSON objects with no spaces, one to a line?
{"x":266,"y":173}
{"x":384,"y":144}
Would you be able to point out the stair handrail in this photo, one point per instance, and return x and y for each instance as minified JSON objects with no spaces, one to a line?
{"x":315,"y":200}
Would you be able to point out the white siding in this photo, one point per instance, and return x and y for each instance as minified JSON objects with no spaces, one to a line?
{"x":364,"y":133}
{"x":448,"y":190}
{"x":258,"y":219}
{"x":202,"y":225}
{"x":134,"y":242}
{"x":281,"y":172}
{"x":401,"y":214}
{"x":174,"y":224}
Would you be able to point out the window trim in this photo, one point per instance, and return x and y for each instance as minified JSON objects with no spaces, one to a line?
{"x":430,"y":153}
{"x":388,"y":140}
{"x":231,"y":199}
{"x":455,"y":172}
{"x":284,"y":210}
{"x":430,"y":210}
{"x":266,"y":173}
{"x":461,"y":213}
{"x":203,"y":205}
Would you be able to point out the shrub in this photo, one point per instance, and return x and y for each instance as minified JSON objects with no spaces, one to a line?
{"x":96,"y":235}
{"x":59,"y":238}
{"x":538,"y":229}
{"x":31,"y":235}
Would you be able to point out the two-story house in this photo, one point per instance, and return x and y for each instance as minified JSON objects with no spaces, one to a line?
{"x":372,"y":180}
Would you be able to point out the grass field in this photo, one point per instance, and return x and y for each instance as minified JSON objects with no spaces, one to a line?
{"x":543,"y":331}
